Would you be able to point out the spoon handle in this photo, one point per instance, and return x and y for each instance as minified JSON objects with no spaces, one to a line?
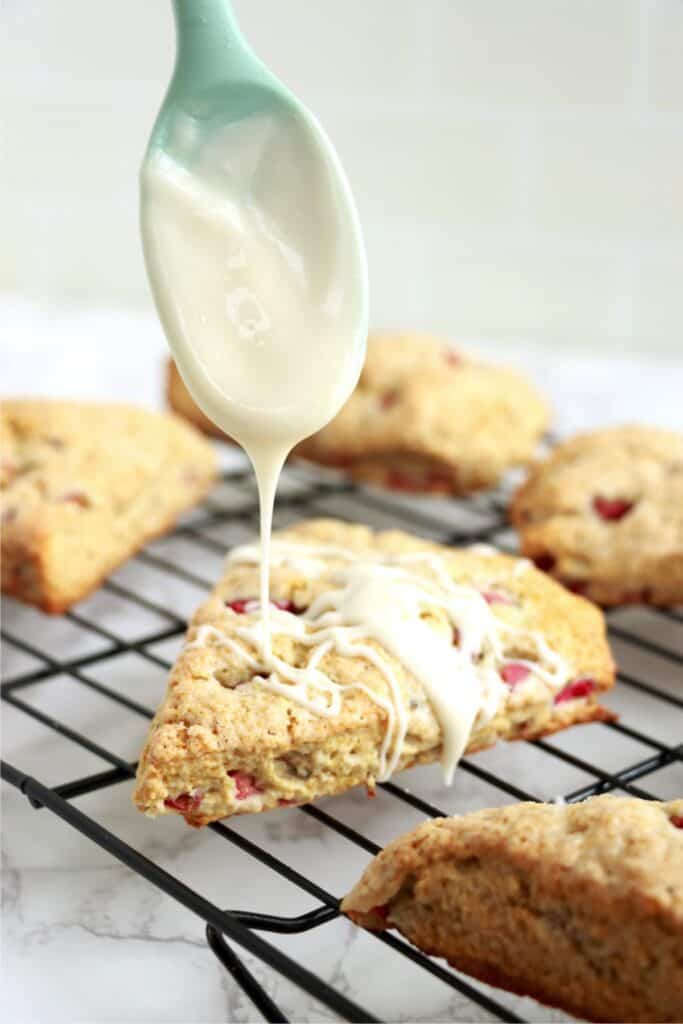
{"x":210,"y":47}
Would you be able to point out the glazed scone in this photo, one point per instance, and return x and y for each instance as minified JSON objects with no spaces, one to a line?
{"x":427,"y":418}
{"x":579,"y":906}
{"x":181,"y":402}
{"x":224,"y":743}
{"x":423,"y":418}
{"x":604,"y":514}
{"x":84,"y":486}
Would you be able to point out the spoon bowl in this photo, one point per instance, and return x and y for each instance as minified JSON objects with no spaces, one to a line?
{"x":267,"y":209}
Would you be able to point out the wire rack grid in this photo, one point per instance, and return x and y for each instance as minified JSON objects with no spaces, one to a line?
{"x":140,"y":614}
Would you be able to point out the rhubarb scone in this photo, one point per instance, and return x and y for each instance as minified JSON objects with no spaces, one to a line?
{"x":604,"y":514}
{"x":427,"y":418}
{"x":84,"y":486}
{"x":579,"y":906}
{"x":386,"y":651}
{"x":422,"y":418}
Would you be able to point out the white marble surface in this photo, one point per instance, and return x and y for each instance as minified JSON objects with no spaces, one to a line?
{"x":87,"y":940}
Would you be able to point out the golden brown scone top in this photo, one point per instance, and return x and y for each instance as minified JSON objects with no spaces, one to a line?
{"x":59,"y":457}
{"x":620,"y":843}
{"x":76,"y":453}
{"x":418,"y":395}
{"x":604,"y":513}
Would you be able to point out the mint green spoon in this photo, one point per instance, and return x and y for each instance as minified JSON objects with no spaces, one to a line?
{"x":227,"y":122}
{"x":216,"y":78}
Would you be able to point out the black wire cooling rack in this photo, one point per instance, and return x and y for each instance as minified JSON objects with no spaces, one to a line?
{"x":641,"y":754}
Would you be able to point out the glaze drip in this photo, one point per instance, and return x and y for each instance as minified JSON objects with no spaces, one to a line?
{"x":379,"y":607}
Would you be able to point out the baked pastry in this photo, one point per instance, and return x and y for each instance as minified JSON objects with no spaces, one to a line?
{"x":388,"y":651}
{"x":84,"y":486}
{"x":423,"y":418}
{"x":181,"y":401}
{"x":604,"y":514}
{"x":579,"y":906}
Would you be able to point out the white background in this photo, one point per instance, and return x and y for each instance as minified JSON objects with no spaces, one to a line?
{"x":517,"y":162}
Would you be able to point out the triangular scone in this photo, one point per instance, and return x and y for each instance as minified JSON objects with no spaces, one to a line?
{"x":580,"y":906}
{"x":223,"y":743}
{"x":604,"y":515}
{"x":84,"y":486}
{"x":425,"y":417}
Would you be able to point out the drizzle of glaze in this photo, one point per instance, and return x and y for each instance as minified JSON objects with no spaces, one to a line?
{"x":522,"y":565}
{"x":376,"y":606}
{"x":483,"y":549}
